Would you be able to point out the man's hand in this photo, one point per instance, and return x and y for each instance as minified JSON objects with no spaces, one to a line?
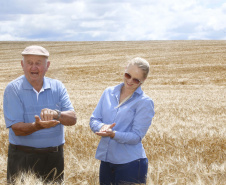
{"x":106,"y":131}
{"x":48,"y":114}
{"x":40,"y":124}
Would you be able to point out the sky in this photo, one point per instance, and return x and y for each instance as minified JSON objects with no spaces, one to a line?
{"x":112,"y":20}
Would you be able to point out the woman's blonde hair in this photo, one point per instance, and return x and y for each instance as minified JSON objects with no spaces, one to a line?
{"x":140,"y":63}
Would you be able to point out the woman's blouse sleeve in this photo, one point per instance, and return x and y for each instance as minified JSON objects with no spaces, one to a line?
{"x":96,"y":117}
{"x":141,"y":123}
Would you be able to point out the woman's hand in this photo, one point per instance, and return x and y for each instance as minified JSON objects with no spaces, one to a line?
{"x":106,"y":131}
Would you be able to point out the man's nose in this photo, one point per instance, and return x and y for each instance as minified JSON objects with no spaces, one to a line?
{"x":33,"y":66}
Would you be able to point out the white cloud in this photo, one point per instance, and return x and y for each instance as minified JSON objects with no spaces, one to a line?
{"x":112,"y":20}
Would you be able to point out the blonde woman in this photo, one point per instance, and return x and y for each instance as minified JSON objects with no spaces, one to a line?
{"x":122,"y":118}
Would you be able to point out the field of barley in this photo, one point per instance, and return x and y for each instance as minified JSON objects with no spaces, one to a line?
{"x":187,"y":82}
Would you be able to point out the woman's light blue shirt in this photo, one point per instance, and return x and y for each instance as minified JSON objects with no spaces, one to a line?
{"x":132,"y":119}
{"x":21,"y":105}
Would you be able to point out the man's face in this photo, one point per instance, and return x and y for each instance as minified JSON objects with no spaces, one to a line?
{"x":34,"y":68}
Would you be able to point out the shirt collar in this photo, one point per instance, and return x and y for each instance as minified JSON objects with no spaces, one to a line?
{"x":46,"y":83}
{"x":27,"y":85}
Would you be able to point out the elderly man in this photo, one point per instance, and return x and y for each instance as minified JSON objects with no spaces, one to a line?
{"x":36,"y":109}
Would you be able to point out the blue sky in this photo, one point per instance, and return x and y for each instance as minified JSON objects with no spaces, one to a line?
{"x":112,"y":20}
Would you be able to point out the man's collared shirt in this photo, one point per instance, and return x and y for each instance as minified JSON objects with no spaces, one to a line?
{"x":132,"y":119}
{"x":21,"y":105}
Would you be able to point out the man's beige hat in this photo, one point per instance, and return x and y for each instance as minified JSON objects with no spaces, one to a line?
{"x":35,"y":50}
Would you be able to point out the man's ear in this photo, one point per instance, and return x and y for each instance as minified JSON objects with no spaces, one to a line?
{"x":48,"y":64}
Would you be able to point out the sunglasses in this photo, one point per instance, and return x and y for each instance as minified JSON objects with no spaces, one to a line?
{"x":135,"y":80}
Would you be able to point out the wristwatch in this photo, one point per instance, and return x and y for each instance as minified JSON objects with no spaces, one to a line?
{"x":58,"y":114}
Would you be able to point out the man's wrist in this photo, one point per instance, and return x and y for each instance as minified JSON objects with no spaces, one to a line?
{"x":58,"y":114}
{"x":112,"y":135}
{"x":37,"y":126}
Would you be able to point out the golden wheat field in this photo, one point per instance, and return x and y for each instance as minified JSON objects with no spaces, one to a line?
{"x":186,"y":141}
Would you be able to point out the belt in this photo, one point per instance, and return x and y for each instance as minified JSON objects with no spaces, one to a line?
{"x":28,"y":149}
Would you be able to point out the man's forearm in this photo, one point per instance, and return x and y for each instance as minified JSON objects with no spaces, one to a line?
{"x":67,"y":118}
{"x":24,"y":129}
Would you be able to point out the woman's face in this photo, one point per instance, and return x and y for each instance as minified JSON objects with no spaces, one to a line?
{"x":133,"y":77}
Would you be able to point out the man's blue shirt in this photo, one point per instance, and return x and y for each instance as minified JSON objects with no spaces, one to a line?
{"x":21,"y":105}
{"x":132,"y":119}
